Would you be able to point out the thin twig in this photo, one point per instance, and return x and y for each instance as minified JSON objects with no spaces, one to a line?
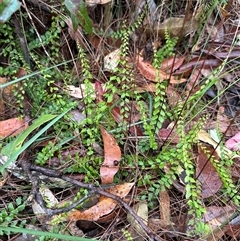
{"x":98,"y":190}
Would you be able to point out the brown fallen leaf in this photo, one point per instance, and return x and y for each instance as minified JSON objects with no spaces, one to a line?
{"x":141,"y":209}
{"x":12,"y":127}
{"x":112,"y":156}
{"x":205,"y":137}
{"x":104,"y":206}
{"x":234,"y":142}
{"x":198,"y":63}
{"x":206,"y":173}
{"x":164,"y":206}
{"x":234,"y":231}
{"x":177,"y":27}
{"x":6,"y":94}
{"x":168,"y":135}
{"x":150,"y":73}
{"x":135,"y":130}
{"x":171,"y":64}
{"x":215,"y":217}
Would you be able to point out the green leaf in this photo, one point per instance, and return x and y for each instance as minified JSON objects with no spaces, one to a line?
{"x":7,"y":8}
{"x":16,"y":144}
{"x":10,"y":207}
{"x":79,"y":15}
{"x":42,"y":234}
{"x":14,"y":149}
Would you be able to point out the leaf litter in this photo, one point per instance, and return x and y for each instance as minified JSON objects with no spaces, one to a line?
{"x":183,"y":72}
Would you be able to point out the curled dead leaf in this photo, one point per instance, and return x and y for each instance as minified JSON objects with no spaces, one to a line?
{"x":104,"y":206}
{"x":171,"y":64}
{"x":150,"y":73}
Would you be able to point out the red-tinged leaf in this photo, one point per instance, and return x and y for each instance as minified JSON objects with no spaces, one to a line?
{"x":234,"y":231}
{"x":104,"y":206}
{"x":99,"y":91}
{"x":112,"y":156}
{"x":198,"y":63}
{"x":171,"y":64}
{"x":193,"y":81}
{"x":75,"y":34}
{"x":173,"y":96}
{"x":150,"y":73}
{"x":168,"y":135}
{"x":12,"y":127}
{"x":135,"y":130}
{"x":21,"y":72}
{"x":234,"y":142}
{"x":205,"y":171}
{"x":164,"y":207}
{"x":215,"y":217}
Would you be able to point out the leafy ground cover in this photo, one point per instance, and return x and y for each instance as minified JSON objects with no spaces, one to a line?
{"x":119,"y":120}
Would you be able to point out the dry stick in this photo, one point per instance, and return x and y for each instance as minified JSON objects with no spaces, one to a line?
{"x":51,"y":212}
{"x":22,"y":39}
{"x":99,"y":190}
{"x":35,"y":193}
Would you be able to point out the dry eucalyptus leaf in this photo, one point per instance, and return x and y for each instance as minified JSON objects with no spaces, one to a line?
{"x":205,"y":137}
{"x":150,"y":73}
{"x":112,"y":157}
{"x":176,"y":27}
{"x":95,"y":2}
{"x":141,"y":209}
{"x":104,"y":206}
{"x":164,"y":206}
{"x":215,"y":217}
{"x":206,"y":173}
{"x":12,"y":127}
{"x":79,"y":92}
{"x":111,"y":60}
